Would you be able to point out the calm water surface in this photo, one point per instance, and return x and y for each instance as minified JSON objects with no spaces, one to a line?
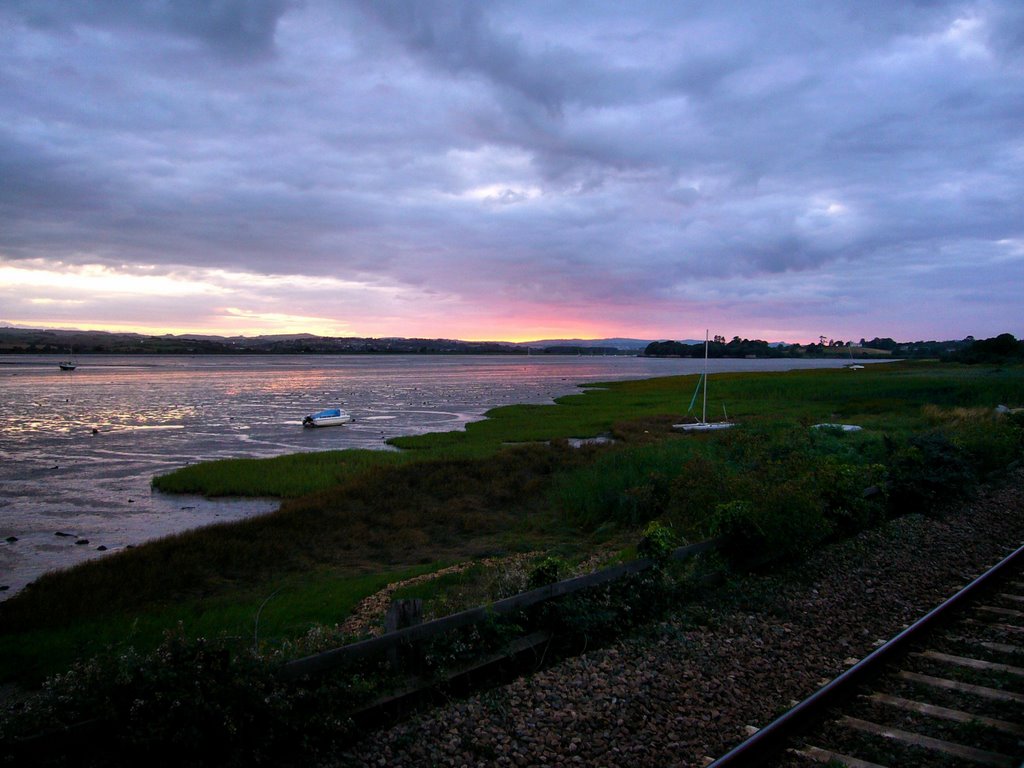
{"x":153,"y":414}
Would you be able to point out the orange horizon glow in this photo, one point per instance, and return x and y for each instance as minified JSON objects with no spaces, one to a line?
{"x":516,"y":337}
{"x":536,"y":333}
{"x":217,"y":302}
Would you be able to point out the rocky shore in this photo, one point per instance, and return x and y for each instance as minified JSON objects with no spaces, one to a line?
{"x":691,"y":686}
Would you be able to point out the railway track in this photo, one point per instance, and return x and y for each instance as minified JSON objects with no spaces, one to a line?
{"x":947,"y":691}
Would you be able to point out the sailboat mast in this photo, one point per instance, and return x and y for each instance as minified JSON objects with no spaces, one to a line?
{"x":704,"y":408}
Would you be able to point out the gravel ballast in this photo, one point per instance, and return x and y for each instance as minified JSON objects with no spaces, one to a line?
{"x":689,"y":687}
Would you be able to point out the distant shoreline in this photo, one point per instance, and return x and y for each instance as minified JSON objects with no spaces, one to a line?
{"x":69,"y":343}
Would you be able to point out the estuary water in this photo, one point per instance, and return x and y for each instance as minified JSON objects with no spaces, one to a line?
{"x":78,"y":449}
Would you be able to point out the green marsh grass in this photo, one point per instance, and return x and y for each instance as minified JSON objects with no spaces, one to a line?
{"x":281,"y":476}
{"x":261,"y":616}
{"x":625,"y":486}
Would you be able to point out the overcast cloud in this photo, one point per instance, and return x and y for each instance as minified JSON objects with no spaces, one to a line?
{"x":513,"y":169}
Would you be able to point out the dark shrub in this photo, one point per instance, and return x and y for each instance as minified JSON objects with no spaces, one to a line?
{"x":658,"y":543}
{"x":785,"y":519}
{"x":188,"y":703}
{"x":926,"y":472}
{"x":703,"y":484}
{"x":842,"y":488}
{"x":547,"y":571}
{"x":990,"y":441}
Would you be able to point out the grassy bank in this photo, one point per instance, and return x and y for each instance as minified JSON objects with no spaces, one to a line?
{"x":510,"y":483}
{"x":283,"y":477}
{"x":270,"y":614}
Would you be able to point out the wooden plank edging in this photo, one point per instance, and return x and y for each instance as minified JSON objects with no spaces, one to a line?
{"x":322,"y":662}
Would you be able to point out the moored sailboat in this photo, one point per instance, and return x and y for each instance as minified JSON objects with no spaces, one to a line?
{"x":702,"y":383}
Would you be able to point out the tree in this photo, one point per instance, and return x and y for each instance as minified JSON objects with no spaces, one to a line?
{"x":1002,"y":348}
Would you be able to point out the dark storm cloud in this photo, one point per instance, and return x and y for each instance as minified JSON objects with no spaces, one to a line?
{"x":461,"y":38}
{"x":236,"y":28}
{"x":609,"y":155}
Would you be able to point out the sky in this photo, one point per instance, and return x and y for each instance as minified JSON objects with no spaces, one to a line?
{"x":514,"y":170}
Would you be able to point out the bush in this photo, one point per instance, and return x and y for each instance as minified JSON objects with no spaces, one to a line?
{"x":927,"y":471}
{"x":700,"y":486}
{"x":606,"y":611}
{"x":644,"y":500}
{"x":658,"y":542}
{"x":990,"y":442}
{"x":188,"y":703}
{"x":784,"y":519}
{"x":547,"y":571}
{"x":842,"y":488}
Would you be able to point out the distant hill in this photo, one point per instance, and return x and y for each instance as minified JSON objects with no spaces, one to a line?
{"x":48,"y":341}
{"x":584,"y":343}
{"x":53,"y":341}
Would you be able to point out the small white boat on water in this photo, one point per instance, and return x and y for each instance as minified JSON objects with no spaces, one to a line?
{"x":703,"y":425}
{"x":331,"y":417}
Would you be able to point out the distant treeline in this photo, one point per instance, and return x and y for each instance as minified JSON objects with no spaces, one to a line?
{"x":24,"y":341}
{"x":36,"y":341}
{"x":1003,"y":348}
{"x":736,"y":348}
{"x":59,"y":342}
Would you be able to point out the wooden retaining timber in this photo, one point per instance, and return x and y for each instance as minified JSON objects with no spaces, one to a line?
{"x":328,"y":660}
{"x":415,"y":689}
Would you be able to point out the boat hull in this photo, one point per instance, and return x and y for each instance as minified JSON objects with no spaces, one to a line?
{"x":703,"y":427}
{"x":325,"y":423}
{"x":332,"y":418}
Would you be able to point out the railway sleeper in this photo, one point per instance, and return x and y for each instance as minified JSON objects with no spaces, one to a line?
{"x":948,"y":748}
{"x":982,"y":647}
{"x":1003,"y":613}
{"x":926,"y":718}
{"x":819,"y":755}
{"x":947,"y":713}
{"x":971,"y":663}
{"x":969,"y":676}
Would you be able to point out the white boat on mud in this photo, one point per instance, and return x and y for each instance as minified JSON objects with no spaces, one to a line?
{"x":332,"y":417}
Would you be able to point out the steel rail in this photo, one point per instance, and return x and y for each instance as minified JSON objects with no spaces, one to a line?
{"x":769,"y":740}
